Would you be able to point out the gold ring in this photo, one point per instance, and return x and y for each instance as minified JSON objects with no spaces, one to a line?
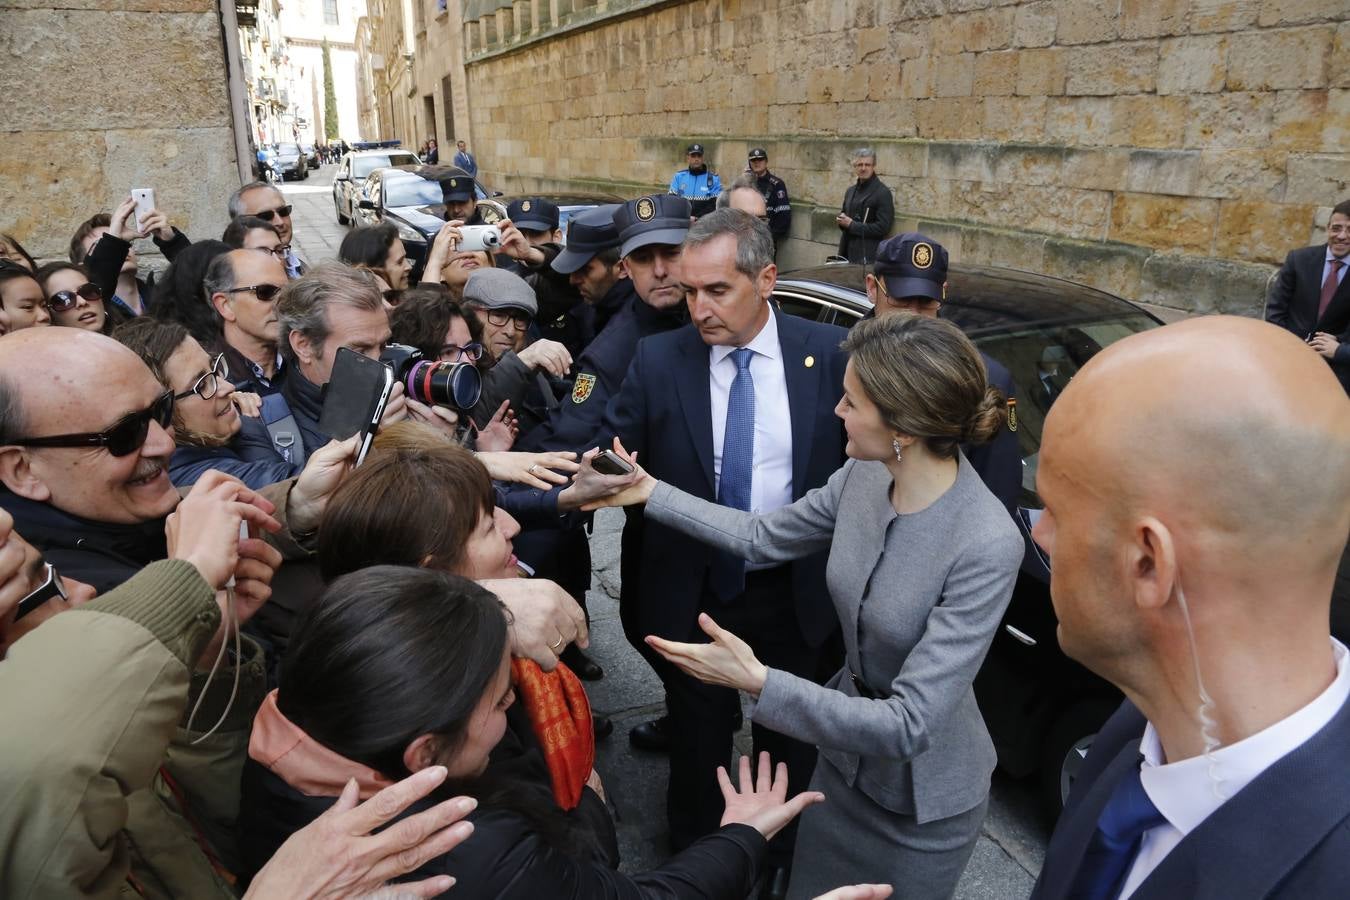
{"x":558,"y":646}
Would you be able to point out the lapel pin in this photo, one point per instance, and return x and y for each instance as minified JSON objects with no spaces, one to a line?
{"x":810,"y":361}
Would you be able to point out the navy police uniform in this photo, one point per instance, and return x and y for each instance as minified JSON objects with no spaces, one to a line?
{"x":913,"y":265}
{"x":776,"y":201}
{"x":563,"y":316}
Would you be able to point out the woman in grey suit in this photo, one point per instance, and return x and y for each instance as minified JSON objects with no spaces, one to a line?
{"x":922,"y":563}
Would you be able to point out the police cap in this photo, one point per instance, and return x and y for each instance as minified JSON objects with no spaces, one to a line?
{"x":457,"y":188}
{"x":656,"y":219}
{"x":587,"y":234}
{"x":911,"y":265}
{"x":694,"y":148}
{"x":758,"y":153}
{"x":534,"y":213}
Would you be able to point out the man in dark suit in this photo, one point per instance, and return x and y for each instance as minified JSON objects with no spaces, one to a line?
{"x":1310,"y":295}
{"x":735,"y":407}
{"x":868,"y":210}
{"x":1223,"y":774}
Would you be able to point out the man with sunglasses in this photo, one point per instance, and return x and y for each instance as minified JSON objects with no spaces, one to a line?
{"x":243,"y":286}
{"x":265,"y":201}
{"x":21,"y":301}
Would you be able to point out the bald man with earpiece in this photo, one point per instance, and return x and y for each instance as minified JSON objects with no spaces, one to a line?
{"x":1196,"y":480}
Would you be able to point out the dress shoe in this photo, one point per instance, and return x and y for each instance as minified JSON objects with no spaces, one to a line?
{"x":604,"y":726}
{"x":651,"y":736}
{"x":585,"y":668}
{"x":775,"y":884}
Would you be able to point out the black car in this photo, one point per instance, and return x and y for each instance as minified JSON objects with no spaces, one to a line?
{"x":569,"y":204}
{"x":1042,"y":708}
{"x":291,"y":161}
{"x":412,"y":198}
{"x":351,"y":175}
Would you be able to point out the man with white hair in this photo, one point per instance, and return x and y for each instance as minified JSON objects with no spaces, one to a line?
{"x":868,"y":210}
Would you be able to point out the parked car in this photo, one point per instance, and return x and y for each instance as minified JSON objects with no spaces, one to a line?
{"x":413,"y":199}
{"x":568,"y":203}
{"x":291,"y":161}
{"x":311,"y":155}
{"x":1042,"y":708}
{"x":351,"y":175}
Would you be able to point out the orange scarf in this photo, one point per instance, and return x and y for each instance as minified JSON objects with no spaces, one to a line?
{"x":561,"y":717}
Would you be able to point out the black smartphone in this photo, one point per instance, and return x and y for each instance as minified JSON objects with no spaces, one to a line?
{"x":355,"y":397}
{"x":607,"y":462}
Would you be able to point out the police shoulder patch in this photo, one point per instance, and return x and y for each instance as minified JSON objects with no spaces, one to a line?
{"x":581,"y":390}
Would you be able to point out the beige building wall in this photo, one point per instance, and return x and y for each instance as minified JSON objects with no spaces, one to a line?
{"x":1167,"y":150}
{"x":106,"y":97}
{"x":304,"y":25}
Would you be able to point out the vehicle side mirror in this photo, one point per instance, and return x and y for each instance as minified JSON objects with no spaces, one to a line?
{"x":498,"y":194}
{"x":366,"y":204}
{"x":342,"y":177}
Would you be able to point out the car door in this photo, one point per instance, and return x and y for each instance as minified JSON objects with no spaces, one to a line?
{"x":342,"y":187}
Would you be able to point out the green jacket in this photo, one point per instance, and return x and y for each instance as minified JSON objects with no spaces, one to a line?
{"x":90,"y":710}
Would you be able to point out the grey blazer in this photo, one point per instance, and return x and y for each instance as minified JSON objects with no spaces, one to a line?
{"x":919,"y":598}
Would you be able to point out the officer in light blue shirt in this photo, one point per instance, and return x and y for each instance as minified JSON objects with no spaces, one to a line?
{"x":695,"y":183}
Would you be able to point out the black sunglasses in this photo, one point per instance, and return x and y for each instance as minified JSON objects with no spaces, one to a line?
{"x":64,"y":301}
{"x":51,"y":587}
{"x":126,"y":436}
{"x":268,"y":214}
{"x":264,"y":292}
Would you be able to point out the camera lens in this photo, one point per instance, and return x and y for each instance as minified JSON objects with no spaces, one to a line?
{"x":455,"y":385}
{"x":492,"y":237}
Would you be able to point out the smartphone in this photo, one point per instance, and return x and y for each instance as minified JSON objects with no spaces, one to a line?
{"x":607,"y":462}
{"x":145,"y":201}
{"x":355,"y":397}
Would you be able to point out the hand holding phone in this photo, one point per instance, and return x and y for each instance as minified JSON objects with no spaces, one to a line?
{"x":607,"y":462}
{"x":355,"y":397}
{"x":145,"y":203}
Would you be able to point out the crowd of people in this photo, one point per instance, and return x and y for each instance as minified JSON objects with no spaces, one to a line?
{"x":242,"y":659}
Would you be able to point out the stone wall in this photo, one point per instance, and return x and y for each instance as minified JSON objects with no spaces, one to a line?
{"x":105,"y":95}
{"x":1167,"y":150}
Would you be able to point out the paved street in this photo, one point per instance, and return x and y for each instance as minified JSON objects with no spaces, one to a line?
{"x":1009,"y":852}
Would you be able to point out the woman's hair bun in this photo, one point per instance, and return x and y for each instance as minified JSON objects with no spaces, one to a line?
{"x":989,"y":416}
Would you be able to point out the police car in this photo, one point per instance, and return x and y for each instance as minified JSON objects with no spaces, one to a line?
{"x":1042,"y":708}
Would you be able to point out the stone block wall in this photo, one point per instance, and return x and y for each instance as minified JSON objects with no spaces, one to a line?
{"x":105,"y":95}
{"x":1169,"y":150}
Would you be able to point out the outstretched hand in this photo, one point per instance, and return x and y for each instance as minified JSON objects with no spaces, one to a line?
{"x":637,"y":486}
{"x":762,"y":803}
{"x":726,"y":662}
{"x":858,"y":892}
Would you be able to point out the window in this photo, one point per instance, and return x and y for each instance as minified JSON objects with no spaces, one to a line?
{"x":330,"y":15}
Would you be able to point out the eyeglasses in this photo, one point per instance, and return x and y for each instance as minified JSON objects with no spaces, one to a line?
{"x":472,"y":352}
{"x":264,"y":292}
{"x":268,"y":214}
{"x":500,"y":317}
{"x":278,"y":252}
{"x":126,"y":436}
{"x":51,"y":587}
{"x":64,"y":301}
{"x":206,"y":386}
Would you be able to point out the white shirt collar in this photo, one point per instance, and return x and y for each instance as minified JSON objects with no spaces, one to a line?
{"x":1184,"y":791}
{"x":765,"y":343}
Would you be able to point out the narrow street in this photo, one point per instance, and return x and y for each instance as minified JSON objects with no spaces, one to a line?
{"x":1009,"y":853}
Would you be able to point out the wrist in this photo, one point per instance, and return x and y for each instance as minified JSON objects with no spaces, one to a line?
{"x":759,"y":674}
{"x":302,"y":518}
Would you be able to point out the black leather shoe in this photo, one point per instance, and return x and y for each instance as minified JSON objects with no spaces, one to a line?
{"x":651,"y":736}
{"x":775,"y":884}
{"x":585,"y":668}
{"x":604,"y":726}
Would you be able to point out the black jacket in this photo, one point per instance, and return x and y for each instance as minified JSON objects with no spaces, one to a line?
{"x":1293,"y":299}
{"x":98,"y":553}
{"x":507,"y":857}
{"x":871,"y":201}
{"x":105,"y":264}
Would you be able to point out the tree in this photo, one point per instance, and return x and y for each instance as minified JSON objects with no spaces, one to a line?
{"x":330,"y":113}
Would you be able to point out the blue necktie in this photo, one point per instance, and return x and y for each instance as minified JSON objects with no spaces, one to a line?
{"x":1120,"y":830}
{"x":738,"y":464}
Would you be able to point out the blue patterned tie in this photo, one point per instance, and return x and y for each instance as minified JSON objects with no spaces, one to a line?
{"x":1120,"y":830}
{"x":738,"y":464}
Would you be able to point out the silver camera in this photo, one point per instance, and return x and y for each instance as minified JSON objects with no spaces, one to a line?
{"x":479,"y":237}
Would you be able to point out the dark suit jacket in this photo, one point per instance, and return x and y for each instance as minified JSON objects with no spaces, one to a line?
{"x":663,"y":411}
{"x":1286,"y":834}
{"x":1293,"y":299}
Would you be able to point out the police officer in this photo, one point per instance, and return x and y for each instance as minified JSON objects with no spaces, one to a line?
{"x":910,"y":275}
{"x":775,"y":195}
{"x":460,"y":203}
{"x":696,"y":183}
{"x":590,"y":260}
{"x":529,"y":245}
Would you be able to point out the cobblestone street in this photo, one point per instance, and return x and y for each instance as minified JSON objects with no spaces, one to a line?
{"x":1009,"y":852}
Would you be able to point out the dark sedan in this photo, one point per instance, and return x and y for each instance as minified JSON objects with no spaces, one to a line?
{"x":1042,"y":708}
{"x":291,"y":161}
{"x":411,"y":198}
{"x":569,"y":204}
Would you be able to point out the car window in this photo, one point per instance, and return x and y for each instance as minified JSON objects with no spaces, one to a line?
{"x":364,"y":165}
{"x":800,"y":305}
{"x":289,"y":149}
{"x":413,"y":192}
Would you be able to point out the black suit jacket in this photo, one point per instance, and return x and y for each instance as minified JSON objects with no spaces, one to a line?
{"x":1285,"y":835}
{"x":1293,"y":299}
{"x":664,"y":412}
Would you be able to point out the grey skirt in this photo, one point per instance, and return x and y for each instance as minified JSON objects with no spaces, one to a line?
{"x":849,"y":839}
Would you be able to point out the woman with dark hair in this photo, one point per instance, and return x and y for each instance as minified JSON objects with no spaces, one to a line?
{"x":429,"y":318}
{"x":74,"y":300}
{"x":396,"y":669}
{"x":922,"y":564}
{"x":206,"y":408}
{"x":11,"y":249}
{"x":378,"y":249}
{"x":179,"y":296}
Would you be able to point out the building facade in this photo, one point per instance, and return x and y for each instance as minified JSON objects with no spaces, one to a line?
{"x":306,"y":26}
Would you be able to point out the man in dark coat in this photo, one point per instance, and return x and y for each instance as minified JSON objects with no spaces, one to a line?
{"x":1310,"y":295}
{"x":868,"y":210}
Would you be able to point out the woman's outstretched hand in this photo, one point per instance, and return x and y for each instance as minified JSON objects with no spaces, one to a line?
{"x":762,"y":803}
{"x":727,"y":662}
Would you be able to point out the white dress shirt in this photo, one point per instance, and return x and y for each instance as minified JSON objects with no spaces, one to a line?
{"x":1184,"y":791}
{"x":771,"y":484}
